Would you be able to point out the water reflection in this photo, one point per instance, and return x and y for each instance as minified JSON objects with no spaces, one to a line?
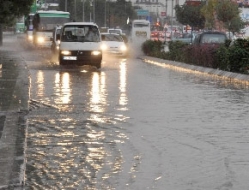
{"x":122,"y":85}
{"x":40,"y":83}
{"x":62,"y":86}
{"x":74,"y":146}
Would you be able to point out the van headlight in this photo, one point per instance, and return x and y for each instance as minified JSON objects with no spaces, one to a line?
{"x":40,"y":39}
{"x":65,"y":52}
{"x":104,"y":47}
{"x":30,"y":37}
{"x":123,"y":48}
{"x":96,"y":52}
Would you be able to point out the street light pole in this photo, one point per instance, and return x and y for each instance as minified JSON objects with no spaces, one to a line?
{"x":75,"y":10}
{"x":91,"y":4}
{"x":166,"y":12}
{"x":66,"y":5}
{"x":83,"y":11}
{"x":172,"y":20}
{"x":105,"y":15}
{"x":94,"y":5}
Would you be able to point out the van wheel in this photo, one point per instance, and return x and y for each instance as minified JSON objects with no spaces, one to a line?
{"x":98,"y":65}
{"x":61,"y":62}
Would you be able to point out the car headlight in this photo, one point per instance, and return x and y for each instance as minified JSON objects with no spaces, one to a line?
{"x":96,"y":52}
{"x":123,"y":48}
{"x":65,"y":52}
{"x":40,"y":39}
{"x":30,"y":37}
{"x":104,"y":47}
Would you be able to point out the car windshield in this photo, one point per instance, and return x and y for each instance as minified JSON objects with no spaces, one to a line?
{"x":111,"y":37}
{"x":114,"y":31}
{"x":80,"y":33}
{"x":213,"y":38}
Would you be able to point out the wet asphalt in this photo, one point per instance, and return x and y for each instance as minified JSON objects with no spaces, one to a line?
{"x":14,"y":106}
{"x":14,"y":85}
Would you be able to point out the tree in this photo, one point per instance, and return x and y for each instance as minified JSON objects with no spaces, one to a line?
{"x":228,"y":13}
{"x":188,"y":14}
{"x":12,"y":9}
{"x":208,"y":11}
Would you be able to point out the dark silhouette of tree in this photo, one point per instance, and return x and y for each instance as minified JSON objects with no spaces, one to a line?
{"x":12,"y":9}
{"x":190,"y":15}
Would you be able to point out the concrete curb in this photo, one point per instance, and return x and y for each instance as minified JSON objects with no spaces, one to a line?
{"x":12,"y":138}
{"x":243,"y":78}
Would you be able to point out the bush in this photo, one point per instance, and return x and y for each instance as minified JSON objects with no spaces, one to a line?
{"x":229,"y":57}
{"x":238,"y":55}
{"x":176,"y":49}
{"x":222,"y":58}
{"x":152,"y":47}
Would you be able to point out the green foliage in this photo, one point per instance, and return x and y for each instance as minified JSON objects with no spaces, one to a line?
{"x":12,"y":9}
{"x":190,"y":15}
{"x":239,"y":55}
{"x":222,"y":57}
{"x":234,"y":57}
{"x":176,"y":49}
{"x":152,"y":47}
{"x":227,"y":12}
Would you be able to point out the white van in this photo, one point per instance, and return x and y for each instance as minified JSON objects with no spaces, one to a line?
{"x":80,"y":44}
{"x":140,"y":30}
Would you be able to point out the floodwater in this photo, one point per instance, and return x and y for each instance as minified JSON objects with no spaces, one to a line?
{"x":132,"y":125}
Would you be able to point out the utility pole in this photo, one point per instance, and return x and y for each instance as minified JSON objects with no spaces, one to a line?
{"x":75,"y":10}
{"x":94,"y":4}
{"x":172,"y":20}
{"x":66,"y":5}
{"x":83,"y":11}
{"x":105,"y":15}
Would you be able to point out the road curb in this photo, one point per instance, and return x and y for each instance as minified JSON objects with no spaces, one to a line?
{"x":15,"y":82}
{"x":243,"y":78}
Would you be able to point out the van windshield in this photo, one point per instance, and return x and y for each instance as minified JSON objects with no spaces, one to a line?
{"x":213,"y":38}
{"x":80,"y":33}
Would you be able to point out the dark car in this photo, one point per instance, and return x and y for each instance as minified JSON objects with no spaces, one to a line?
{"x":210,"y":37}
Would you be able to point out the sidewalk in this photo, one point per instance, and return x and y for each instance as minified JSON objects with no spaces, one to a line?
{"x":14,"y":88}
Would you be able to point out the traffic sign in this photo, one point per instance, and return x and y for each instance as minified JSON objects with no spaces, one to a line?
{"x":141,"y":12}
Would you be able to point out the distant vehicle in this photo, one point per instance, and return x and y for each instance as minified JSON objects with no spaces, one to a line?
{"x":140,"y":30}
{"x":56,"y":40}
{"x":80,"y":44}
{"x":113,"y":44}
{"x":186,"y":38}
{"x":210,"y":37}
{"x":44,"y":23}
{"x":29,"y":26}
{"x":115,"y":31}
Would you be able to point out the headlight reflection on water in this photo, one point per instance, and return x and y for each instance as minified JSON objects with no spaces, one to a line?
{"x":226,"y":80}
{"x":63,"y":90}
{"x":122,"y":85}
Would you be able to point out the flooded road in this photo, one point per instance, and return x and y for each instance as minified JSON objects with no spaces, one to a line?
{"x":132,"y":125}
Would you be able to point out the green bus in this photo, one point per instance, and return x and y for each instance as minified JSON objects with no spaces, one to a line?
{"x":44,"y":22}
